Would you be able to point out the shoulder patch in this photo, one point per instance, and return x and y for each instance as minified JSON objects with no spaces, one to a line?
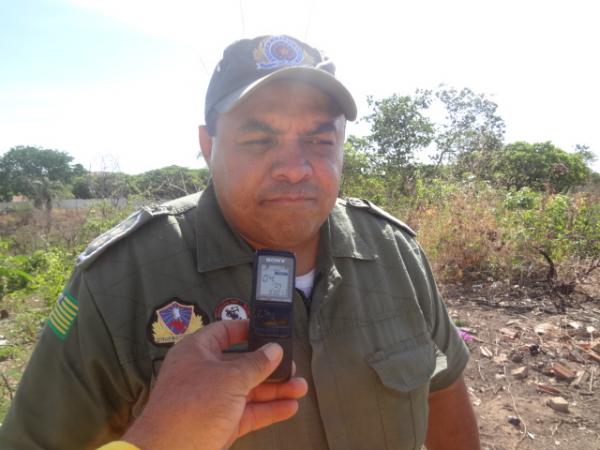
{"x":377,"y":211}
{"x":132,"y":223}
{"x":63,"y":315}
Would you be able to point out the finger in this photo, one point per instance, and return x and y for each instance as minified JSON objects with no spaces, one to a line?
{"x":260,"y":415}
{"x":222,"y":335}
{"x":258,"y":365}
{"x":293,"y":388}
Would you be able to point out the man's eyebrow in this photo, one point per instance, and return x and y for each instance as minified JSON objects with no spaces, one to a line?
{"x":257,"y":125}
{"x":324,"y":127}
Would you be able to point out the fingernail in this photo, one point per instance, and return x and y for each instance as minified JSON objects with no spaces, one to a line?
{"x":271,"y":351}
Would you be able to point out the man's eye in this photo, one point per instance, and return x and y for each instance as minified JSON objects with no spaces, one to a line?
{"x":258,"y":142}
{"x":320,"y":142}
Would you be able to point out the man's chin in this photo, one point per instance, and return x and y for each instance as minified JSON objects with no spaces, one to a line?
{"x":289,"y":236}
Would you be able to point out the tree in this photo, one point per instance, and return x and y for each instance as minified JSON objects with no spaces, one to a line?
{"x":399,"y":128}
{"x":37,"y":173}
{"x":359,"y":178}
{"x":171,"y":182}
{"x":586,"y":154}
{"x":82,"y":187}
{"x":111,"y":185}
{"x":539,"y":166}
{"x":470,"y":132}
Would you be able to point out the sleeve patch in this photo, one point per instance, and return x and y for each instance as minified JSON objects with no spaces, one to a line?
{"x":63,"y":315}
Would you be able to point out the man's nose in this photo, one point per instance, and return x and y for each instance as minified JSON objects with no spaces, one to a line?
{"x":291,"y":163}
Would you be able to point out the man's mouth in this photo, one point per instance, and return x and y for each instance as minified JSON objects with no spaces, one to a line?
{"x":298,"y":196}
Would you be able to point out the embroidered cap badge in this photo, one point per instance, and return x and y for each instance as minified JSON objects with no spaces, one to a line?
{"x":280,"y":51}
{"x":170,"y":323}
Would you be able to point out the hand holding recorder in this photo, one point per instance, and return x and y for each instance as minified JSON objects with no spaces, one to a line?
{"x":204,"y":399}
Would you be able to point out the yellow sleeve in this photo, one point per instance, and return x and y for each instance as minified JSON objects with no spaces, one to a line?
{"x":118,"y":445}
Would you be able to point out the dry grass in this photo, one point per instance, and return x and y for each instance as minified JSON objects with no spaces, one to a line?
{"x":463,"y":236}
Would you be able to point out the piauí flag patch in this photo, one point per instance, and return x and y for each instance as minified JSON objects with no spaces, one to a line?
{"x":63,"y":315}
{"x":170,"y":323}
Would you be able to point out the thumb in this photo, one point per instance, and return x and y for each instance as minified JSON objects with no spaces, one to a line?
{"x":258,"y":365}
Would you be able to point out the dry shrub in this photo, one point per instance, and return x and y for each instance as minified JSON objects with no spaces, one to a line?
{"x":462,"y":235}
{"x":69,"y":229}
{"x":36,"y":229}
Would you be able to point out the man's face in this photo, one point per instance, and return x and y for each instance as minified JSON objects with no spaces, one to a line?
{"x":276,"y":162}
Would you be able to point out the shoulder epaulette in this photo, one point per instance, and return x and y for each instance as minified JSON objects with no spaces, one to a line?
{"x":133,"y":222}
{"x":377,"y":211}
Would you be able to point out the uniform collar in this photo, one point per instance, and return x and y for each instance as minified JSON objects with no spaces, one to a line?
{"x":218,"y":246}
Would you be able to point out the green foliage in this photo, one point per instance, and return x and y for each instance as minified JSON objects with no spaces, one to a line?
{"x":586,"y":155}
{"x":170,"y":182}
{"x":563,"y":226}
{"x":399,"y":127}
{"x":96,"y":224}
{"x":358,"y":177}
{"x":471,"y":126}
{"x":109,"y":185}
{"x":473,"y":230}
{"x":43,"y":272}
{"x":585,"y":235}
{"x":82,"y":187}
{"x":13,"y":275}
{"x":525,"y":198}
{"x":538,"y":166}
{"x":37,"y":173}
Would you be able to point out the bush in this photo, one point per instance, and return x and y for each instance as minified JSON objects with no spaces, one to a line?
{"x":43,"y":273}
{"x":473,"y":231}
{"x":525,"y":198}
{"x":458,"y":227}
{"x":563,"y":226}
{"x":13,"y":275}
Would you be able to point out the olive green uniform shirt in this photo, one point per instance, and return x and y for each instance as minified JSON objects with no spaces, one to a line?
{"x":373,"y":341}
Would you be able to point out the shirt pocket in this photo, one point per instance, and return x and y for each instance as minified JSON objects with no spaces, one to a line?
{"x":404,"y":375}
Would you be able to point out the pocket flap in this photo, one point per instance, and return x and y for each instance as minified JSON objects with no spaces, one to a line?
{"x":405,"y":369}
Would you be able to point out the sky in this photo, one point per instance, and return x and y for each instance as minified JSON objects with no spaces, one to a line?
{"x":120,"y":84}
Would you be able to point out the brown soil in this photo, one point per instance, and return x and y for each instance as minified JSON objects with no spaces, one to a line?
{"x":536,"y":327}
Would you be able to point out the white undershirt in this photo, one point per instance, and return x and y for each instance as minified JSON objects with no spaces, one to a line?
{"x":305,"y":283}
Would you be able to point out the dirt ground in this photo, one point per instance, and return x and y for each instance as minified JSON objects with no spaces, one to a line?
{"x":529,"y":346}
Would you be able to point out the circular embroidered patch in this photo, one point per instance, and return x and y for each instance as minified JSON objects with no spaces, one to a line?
{"x":173,"y":320}
{"x":232,"y":309}
{"x":279,"y":51}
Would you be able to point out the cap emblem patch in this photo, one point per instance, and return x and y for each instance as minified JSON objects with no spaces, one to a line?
{"x":280,"y":51}
{"x":232,"y":309}
{"x":175,"y":320}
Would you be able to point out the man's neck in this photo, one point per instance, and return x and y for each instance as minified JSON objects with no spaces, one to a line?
{"x":306,"y":256}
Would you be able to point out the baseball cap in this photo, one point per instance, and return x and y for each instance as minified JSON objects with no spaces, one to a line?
{"x":250,"y":63}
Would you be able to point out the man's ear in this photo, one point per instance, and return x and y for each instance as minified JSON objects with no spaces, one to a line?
{"x":206,"y":143}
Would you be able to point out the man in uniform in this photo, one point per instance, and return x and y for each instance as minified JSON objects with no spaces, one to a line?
{"x":372,"y":338}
